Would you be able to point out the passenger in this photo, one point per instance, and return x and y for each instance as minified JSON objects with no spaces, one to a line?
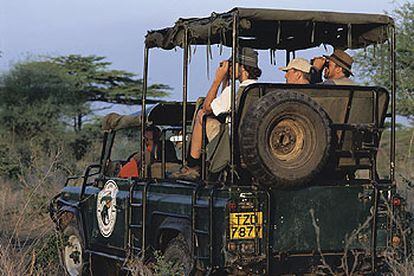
{"x":336,"y":69}
{"x":247,"y":72}
{"x":153,"y":153}
{"x":297,"y":71}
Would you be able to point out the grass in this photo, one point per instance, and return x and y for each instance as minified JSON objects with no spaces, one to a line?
{"x":28,"y":241}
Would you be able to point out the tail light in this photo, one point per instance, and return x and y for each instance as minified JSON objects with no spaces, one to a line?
{"x":232,"y":206}
{"x":396,"y":201}
{"x":396,"y":241}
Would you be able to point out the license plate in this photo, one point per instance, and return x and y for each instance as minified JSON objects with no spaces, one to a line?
{"x":246,"y":225}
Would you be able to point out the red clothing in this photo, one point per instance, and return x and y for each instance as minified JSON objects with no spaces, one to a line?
{"x":130,"y":169}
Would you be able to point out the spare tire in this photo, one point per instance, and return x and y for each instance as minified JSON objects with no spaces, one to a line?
{"x":285,"y":139}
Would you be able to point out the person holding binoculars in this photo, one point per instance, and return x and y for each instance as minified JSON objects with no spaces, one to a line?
{"x":336,"y":69}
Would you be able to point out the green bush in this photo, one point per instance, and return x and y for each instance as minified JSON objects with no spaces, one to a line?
{"x":9,"y":162}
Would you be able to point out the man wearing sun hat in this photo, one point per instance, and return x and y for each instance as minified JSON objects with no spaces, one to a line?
{"x":297,"y":71}
{"x":338,"y":68}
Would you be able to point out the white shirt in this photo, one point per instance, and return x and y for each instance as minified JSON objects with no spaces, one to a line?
{"x":222,"y":103}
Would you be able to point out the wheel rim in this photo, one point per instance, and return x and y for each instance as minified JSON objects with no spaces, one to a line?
{"x":286,"y":139}
{"x":73,"y":256}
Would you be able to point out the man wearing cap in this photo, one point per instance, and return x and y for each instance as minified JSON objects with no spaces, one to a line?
{"x":247,"y":72}
{"x":337,"y":68}
{"x":297,"y":71}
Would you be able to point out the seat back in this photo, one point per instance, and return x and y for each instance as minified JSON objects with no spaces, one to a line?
{"x":346,"y":105}
{"x":170,"y":167}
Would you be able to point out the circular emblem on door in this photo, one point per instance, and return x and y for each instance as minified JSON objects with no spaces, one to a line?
{"x":106,"y":208}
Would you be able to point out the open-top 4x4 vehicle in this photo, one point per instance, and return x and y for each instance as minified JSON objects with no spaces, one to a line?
{"x":281,"y":187}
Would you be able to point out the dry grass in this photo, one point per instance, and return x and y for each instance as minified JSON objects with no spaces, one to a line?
{"x":28,"y":243}
{"x":137,"y":267}
{"x":27,"y":239}
{"x":159,"y":267}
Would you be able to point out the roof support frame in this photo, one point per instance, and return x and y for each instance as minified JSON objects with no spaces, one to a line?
{"x":393,"y":82}
{"x":233,"y":95}
{"x":143,"y":111}
{"x":185,"y":97}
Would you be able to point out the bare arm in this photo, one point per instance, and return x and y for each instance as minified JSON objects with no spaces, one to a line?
{"x":220,"y":77}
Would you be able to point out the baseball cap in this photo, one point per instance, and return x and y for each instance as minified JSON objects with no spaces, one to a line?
{"x":300,"y":64}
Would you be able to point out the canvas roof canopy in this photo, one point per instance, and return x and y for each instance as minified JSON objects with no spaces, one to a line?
{"x":277,"y":29}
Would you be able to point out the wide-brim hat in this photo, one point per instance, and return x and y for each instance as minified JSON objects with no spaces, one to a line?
{"x":247,"y":56}
{"x":342,"y":59}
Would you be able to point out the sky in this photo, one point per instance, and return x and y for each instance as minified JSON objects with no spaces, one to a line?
{"x":116,"y":29}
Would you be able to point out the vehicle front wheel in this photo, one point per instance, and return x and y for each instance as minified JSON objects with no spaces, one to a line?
{"x":74,"y":259}
{"x":178,"y":255}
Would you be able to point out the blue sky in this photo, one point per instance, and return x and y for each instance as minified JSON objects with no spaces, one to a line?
{"x":116,"y":29}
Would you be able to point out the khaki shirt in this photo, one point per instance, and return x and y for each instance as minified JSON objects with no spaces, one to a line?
{"x":341,"y":81}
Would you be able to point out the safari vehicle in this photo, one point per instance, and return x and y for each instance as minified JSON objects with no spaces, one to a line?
{"x":282,"y":188}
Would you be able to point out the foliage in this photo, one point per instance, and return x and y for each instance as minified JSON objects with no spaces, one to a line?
{"x":80,"y":143}
{"x":94,"y":81}
{"x":9,"y":166}
{"x":39,"y":96}
{"x":39,"y":99}
{"x":373,"y":64}
{"x":404,"y":152}
{"x":32,"y":98}
{"x":47,"y":252}
{"x":159,"y":266}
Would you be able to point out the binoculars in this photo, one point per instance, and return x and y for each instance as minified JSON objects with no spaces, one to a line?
{"x":326,"y":63}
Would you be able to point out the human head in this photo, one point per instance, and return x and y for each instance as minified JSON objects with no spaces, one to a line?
{"x":339,"y":66}
{"x":152,"y":132}
{"x":297,"y":71}
{"x":247,"y":61}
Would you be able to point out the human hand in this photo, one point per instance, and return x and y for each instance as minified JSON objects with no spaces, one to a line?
{"x":200,"y":115}
{"x":221,"y":73}
{"x":319,"y":62}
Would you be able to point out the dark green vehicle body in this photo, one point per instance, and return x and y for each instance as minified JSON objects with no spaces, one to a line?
{"x":241,"y":225}
{"x":289,"y":242}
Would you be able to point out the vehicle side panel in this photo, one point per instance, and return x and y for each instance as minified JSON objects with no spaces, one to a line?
{"x":338,"y":211}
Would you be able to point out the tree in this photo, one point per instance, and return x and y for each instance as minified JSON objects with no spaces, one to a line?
{"x":38,"y":96}
{"x":373,"y":70}
{"x":96,"y":82}
{"x":33,"y":97}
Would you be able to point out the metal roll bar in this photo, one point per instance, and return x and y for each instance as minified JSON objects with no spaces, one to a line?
{"x":393,"y":104}
{"x":143,"y":111}
{"x":233,"y":95}
{"x":185,"y":89}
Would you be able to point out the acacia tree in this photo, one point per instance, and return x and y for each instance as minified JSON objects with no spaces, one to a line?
{"x":94,"y":81}
{"x":373,"y":66}
{"x":37,"y":94}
